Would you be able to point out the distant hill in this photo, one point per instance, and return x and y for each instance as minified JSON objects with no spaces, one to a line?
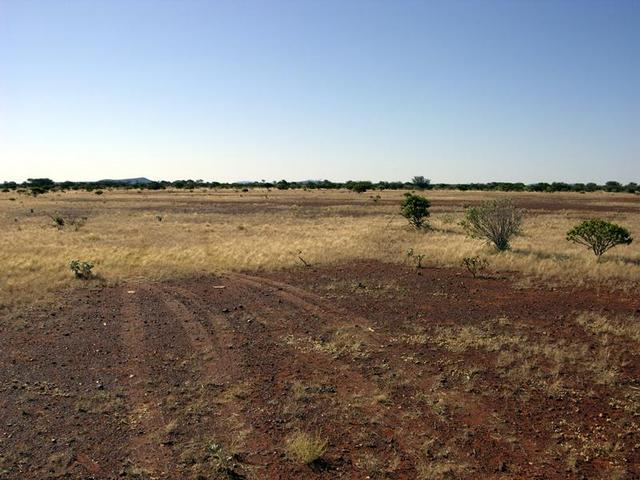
{"x":128,"y":181}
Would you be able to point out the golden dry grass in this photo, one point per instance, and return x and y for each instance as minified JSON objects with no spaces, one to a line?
{"x":305,"y":448}
{"x":601,"y":325}
{"x":213,"y":231}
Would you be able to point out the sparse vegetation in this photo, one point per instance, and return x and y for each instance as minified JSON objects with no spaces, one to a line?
{"x":355,"y":346}
{"x":416,"y":258}
{"x":305,"y":448}
{"x":600,"y":324}
{"x":415,"y":208}
{"x":599,"y":235}
{"x":475,"y":265}
{"x":60,"y":222}
{"x":205,"y":226}
{"x":495,"y":221}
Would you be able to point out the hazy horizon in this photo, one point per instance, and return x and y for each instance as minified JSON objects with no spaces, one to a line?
{"x":459,"y":92}
{"x":296,"y":180}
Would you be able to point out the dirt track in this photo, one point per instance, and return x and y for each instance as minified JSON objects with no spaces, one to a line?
{"x":209,"y":376}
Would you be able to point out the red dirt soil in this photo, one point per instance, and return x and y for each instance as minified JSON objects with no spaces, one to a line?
{"x":186,"y":379}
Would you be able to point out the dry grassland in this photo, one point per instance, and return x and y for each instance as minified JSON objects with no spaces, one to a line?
{"x":152,"y":235}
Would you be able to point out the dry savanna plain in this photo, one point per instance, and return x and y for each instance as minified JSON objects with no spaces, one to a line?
{"x":289,"y":335}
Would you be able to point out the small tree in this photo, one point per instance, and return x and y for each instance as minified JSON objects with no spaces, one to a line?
{"x":495,"y":221}
{"x":599,"y":235}
{"x":420,"y":182}
{"x":415,"y":208}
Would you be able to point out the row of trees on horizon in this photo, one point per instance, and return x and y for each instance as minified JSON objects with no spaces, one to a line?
{"x":36,"y":186}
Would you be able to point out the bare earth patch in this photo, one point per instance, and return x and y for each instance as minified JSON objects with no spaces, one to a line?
{"x":358,"y":370}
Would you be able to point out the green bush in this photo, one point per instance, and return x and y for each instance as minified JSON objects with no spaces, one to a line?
{"x":415,"y":208}
{"x":599,"y":235}
{"x":495,"y":221}
{"x":81,"y":270}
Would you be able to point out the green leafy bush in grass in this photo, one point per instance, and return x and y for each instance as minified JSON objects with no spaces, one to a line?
{"x":599,"y":235}
{"x":415,"y":208}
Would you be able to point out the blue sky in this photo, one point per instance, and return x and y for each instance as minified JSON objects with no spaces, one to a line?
{"x":380,"y":90}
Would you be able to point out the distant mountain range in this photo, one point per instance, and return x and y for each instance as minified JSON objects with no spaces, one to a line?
{"x":128,"y":181}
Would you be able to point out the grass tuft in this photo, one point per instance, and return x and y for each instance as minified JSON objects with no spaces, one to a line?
{"x":305,"y":448}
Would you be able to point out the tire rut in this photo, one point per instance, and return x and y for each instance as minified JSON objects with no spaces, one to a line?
{"x":347,"y":373}
{"x":150,"y":363}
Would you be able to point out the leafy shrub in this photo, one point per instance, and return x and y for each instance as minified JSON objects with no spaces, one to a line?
{"x":415,"y":208}
{"x":98,"y":192}
{"x":81,"y":270}
{"x":599,"y":235}
{"x":305,"y":448}
{"x":475,"y":265}
{"x":495,"y":221}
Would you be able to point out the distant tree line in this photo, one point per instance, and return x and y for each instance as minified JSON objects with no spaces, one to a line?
{"x":37,"y":186}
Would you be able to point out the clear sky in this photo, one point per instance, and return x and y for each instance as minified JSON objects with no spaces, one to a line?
{"x":345,"y":89}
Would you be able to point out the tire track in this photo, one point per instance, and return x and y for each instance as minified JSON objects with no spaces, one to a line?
{"x":350,"y":377}
{"x":145,"y":334}
{"x":333,"y":316}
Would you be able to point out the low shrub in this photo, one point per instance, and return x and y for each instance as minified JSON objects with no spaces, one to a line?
{"x":599,"y":235}
{"x":415,"y":208}
{"x":81,"y":270}
{"x":495,"y":221}
{"x":475,"y":265}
